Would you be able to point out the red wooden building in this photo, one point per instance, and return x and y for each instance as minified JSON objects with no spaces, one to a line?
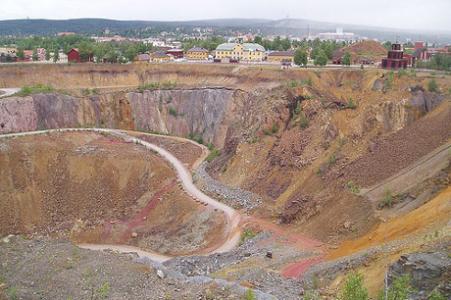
{"x":395,"y":58}
{"x":73,"y":55}
{"x":177,"y":53}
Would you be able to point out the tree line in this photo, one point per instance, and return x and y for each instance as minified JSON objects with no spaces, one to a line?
{"x":104,"y":52}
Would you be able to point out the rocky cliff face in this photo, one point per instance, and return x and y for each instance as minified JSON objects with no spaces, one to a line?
{"x":201,"y":112}
{"x":395,"y":115}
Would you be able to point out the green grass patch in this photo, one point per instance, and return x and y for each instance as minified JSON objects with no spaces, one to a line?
{"x":354,"y":188}
{"x":89,"y":92}
{"x":164,"y":85}
{"x":35,"y":89}
{"x":246,"y":235}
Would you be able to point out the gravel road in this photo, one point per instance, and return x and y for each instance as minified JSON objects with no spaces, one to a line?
{"x":232,"y":216}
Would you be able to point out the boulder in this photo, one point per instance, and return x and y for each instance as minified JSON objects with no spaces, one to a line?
{"x":427,"y":270}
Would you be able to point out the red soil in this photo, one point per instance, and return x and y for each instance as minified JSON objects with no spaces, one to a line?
{"x":297,"y":269}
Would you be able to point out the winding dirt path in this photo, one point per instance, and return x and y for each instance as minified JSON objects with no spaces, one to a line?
{"x":6,"y":92}
{"x":232,"y":231}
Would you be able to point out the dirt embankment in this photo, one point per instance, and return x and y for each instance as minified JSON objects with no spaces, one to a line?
{"x":392,"y":153}
{"x":113,"y":77}
{"x":97,"y":189}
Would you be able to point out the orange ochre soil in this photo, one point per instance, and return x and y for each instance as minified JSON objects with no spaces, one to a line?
{"x":432,"y":214}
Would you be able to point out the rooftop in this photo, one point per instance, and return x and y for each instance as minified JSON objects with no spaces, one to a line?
{"x":282,"y":53}
{"x":198,"y":49}
{"x":246,"y":47}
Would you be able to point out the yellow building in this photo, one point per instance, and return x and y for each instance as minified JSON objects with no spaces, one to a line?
{"x":241,"y":52}
{"x":197,"y":53}
{"x":281,"y":57}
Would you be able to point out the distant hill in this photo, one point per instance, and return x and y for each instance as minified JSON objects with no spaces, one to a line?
{"x":298,"y":27}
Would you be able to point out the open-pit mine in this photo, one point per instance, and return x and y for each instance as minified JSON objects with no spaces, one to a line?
{"x":222,"y":182}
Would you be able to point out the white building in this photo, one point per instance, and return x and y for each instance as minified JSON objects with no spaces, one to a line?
{"x":339,"y":36}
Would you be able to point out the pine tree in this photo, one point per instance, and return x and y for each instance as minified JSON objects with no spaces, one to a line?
{"x":346,"y":59}
{"x":56,"y":55}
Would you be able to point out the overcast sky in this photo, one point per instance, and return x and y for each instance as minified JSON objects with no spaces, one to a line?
{"x":415,"y":14}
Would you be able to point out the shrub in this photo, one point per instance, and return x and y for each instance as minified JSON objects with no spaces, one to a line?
{"x":332,"y":160}
{"x":353,"y":187}
{"x":399,"y":289}
{"x":168,"y":85}
{"x":196,"y":137}
{"x":165,"y":85}
{"x":304,"y":121}
{"x":351,"y":104}
{"x":88,"y":91}
{"x":353,"y":288}
{"x":103,"y":291}
{"x":85,"y":92}
{"x":250,"y":295}
{"x":273,"y":130}
{"x":436,"y":295}
{"x":402,"y":73}
{"x":12,"y":293}
{"x":210,"y":146}
{"x":292,"y":84}
{"x":298,"y":109}
{"x":387,"y":201}
{"x":307,"y":82}
{"x":149,"y":86}
{"x":173,"y":111}
{"x":388,"y":83}
{"x":246,"y":235}
{"x":432,"y":86}
{"x":213,"y":154}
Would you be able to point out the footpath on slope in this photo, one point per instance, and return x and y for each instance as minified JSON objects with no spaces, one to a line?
{"x":233,"y":218}
{"x":6,"y":92}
